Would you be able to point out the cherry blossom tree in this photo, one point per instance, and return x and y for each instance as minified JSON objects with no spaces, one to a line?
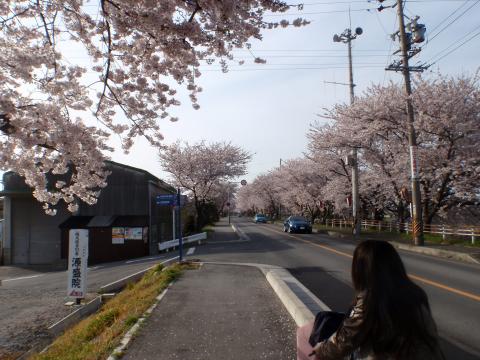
{"x":261,"y":195}
{"x":224,"y":193}
{"x":298,"y":187}
{"x":202,"y":168}
{"x":134,"y":55}
{"x":247,"y":200}
{"x":301,"y":182}
{"x":448,"y":129}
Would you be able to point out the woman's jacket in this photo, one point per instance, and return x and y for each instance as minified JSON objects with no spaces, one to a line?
{"x":343,"y":343}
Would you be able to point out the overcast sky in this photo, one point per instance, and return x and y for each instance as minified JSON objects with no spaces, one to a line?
{"x":268,"y":108}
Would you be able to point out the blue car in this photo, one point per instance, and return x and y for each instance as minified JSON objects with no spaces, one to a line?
{"x":297,"y":224}
{"x":259,"y":218}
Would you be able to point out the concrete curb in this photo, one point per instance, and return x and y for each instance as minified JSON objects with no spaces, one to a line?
{"x":119,"y":284}
{"x":300,"y":302}
{"x":436,"y":252}
{"x":87,"y":309}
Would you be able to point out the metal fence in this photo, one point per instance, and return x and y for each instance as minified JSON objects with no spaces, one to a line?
{"x":470,"y":231}
{"x":187,"y":239}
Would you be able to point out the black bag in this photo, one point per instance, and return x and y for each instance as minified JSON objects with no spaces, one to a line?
{"x":326,"y":323}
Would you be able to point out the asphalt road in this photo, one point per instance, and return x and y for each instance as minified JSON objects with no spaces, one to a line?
{"x":322,"y":264}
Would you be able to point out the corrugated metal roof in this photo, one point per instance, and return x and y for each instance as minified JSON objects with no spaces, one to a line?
{"x":75,"y":222}
{"x":101,"y":221}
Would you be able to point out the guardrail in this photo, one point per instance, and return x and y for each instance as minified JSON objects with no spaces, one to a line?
{"x":440,"y":229}
{"x":187,"y":239}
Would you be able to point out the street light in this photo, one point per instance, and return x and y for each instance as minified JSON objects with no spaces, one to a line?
{"x":346,"y":37}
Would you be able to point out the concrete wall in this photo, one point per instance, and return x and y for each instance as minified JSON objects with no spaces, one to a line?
{"x":7,"y":250}
{"x":35,"y":236}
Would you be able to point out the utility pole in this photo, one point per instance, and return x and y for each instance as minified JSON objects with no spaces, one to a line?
{"x":347,"y":37}
{"x":280,"y":205}
{"x":407,"y":51}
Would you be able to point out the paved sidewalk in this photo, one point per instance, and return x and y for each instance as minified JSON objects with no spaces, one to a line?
{"x":217,"y":312}
{"x":222,"y":233}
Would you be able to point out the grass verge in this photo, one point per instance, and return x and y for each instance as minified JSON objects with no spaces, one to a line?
{"x":98,"y":335}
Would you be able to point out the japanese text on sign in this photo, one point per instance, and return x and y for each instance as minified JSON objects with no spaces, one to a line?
{"x":77,"y":263}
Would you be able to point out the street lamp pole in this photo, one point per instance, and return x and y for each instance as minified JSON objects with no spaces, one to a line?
{"x":228,"y":204}
{"x":347,"y":37}
{"x":243,"y":183}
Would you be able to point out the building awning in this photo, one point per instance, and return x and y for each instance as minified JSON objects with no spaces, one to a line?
{"x":75,"y":222}
{"x":101,"y":221}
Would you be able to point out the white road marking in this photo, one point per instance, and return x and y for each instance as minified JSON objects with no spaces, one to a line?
{"x":94,"y":268}
{"x":22,"y":278}
{"x":191,"y":251}
{"x":142,"y":259}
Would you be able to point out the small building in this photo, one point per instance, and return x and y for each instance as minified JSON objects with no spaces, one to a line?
{"x":124,"y":223}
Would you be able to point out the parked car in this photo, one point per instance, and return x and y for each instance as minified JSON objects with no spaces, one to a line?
{"x":260,"y":218}
{"x":297,"y":224}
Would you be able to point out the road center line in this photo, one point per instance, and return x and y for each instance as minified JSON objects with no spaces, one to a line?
{"x":413,"y":276}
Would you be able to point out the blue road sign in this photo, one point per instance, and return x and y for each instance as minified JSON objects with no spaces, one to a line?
{"x":170,"y":200}
{"x":166,"y":199}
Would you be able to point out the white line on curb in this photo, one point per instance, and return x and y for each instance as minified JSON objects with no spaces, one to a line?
{"x":142,"y":259}
{"x":23,"y":278}
{"x":127,"y":278}
{"x":191,"y":251}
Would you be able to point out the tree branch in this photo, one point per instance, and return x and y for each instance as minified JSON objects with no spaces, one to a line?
{"x":108,"y":42}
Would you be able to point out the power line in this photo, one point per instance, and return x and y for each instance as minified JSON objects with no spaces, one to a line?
{"x":299,"y":64}
{"x":293,"y":68}
{"x":309,"y":50}
{"x":451,"y":22}
{"x":465,"y":2}
{"x":363,"y":1}
{"x":456,"y":47}
{"x":309,"y":56}
{"x":319,"y":12}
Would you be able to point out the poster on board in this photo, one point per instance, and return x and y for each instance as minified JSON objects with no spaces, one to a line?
{"x":118,"y":235}
{"x":133,"y":233}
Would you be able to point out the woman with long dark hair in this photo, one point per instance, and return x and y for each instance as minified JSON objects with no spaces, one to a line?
{"x":390,"y":318}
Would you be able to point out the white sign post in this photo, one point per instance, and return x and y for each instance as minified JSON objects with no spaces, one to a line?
{"x":77,"y":264}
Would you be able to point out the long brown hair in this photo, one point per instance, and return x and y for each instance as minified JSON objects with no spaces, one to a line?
{"x":394,"y":307}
